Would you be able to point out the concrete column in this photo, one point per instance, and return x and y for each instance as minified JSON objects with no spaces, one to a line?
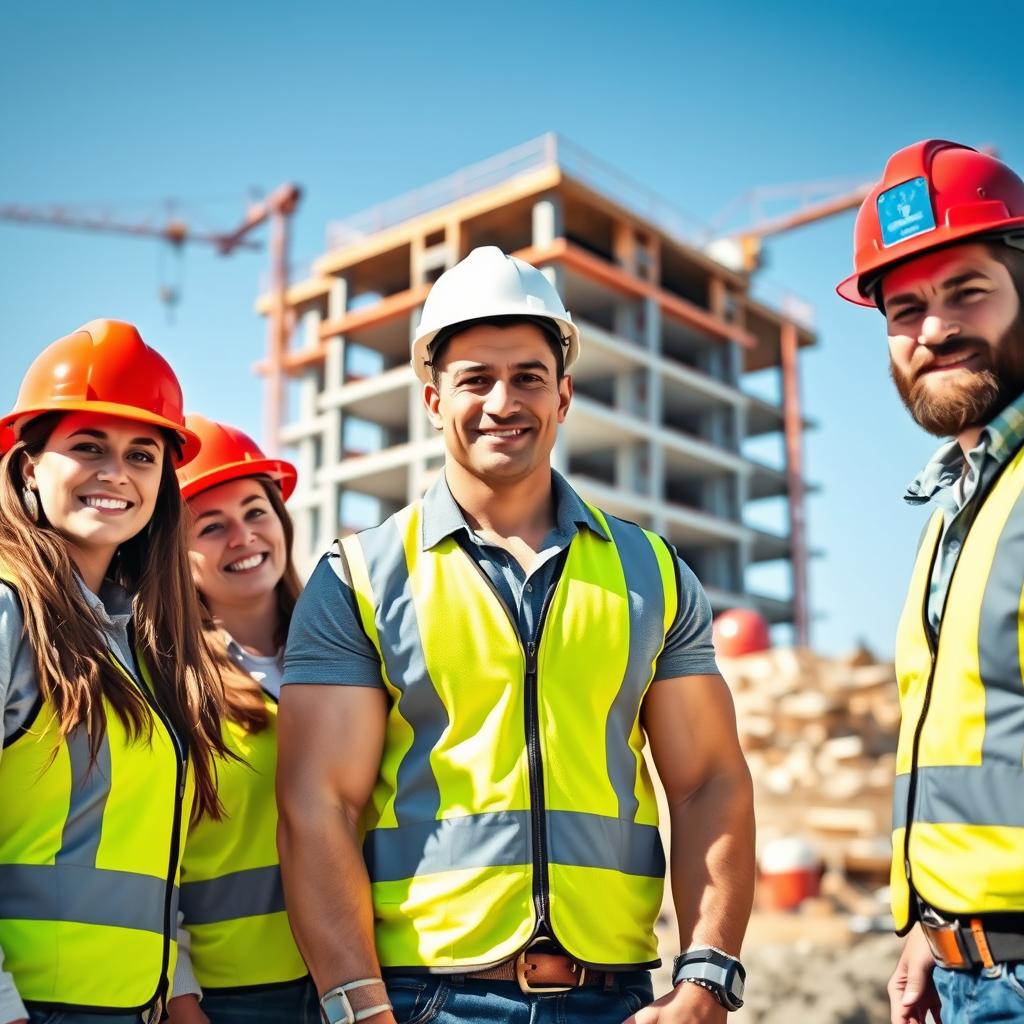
{"x":547,"y":222}
{"x":337,"y":298}
{"x":309,"y":327}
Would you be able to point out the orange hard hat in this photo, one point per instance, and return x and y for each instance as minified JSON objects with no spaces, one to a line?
{"x":103,"y":367}
{"x":932,"y":194}
{"x":740,"y":631}
{"x":228,"y":454}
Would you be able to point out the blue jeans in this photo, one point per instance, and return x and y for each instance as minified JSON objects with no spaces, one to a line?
{"x":980,"y":996}
{"x":440,"y":999}
{"x":296,"y":1003}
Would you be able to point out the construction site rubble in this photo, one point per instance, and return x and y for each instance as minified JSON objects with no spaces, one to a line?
{"x":820,"y":737}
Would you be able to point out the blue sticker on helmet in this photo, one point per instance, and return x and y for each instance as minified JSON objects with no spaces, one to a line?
{"x":904,"y":211}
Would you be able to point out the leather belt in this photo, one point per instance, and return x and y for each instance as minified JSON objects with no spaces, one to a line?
{"x":980,"y":942}
{"x":537,"y":972}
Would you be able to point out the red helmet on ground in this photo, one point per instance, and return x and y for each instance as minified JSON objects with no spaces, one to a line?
{"x":228,"y":454}
{"x":740,"y":631}
{"x":932,"y":194}
{"x":103,"y":367}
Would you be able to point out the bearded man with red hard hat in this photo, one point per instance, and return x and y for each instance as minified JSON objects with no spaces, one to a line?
{"x":939,"y":249}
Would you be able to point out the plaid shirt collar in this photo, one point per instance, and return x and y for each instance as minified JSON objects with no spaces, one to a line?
{"x":998,"y":441}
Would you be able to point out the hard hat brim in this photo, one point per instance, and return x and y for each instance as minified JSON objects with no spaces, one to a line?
{"x":941,"y":238}
{"x":421,"y":346}
{"x":11,"y":425}
{"x":284,"y":474}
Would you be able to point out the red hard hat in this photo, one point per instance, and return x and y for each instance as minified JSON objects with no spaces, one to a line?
{"x":228,"y":454}
{"x":740,"y":631}
{"x":103,"y":367}
{"x":932,"y":194}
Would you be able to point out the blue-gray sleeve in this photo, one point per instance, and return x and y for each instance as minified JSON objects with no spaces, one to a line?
{"x":326,"y":640}
{"x":688,"y":650}
{"x":19,"y":688}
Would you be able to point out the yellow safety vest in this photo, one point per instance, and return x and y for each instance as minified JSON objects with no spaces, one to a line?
{"x":958,"y":811}
{"x":231,"y":894}
{"x":513,"y":791}
{"x":89,"y":860}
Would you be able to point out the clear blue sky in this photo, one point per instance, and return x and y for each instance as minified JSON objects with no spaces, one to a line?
{"x":132,"y":103}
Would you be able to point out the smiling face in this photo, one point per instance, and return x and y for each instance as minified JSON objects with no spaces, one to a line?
{"x":956,"y":341}
{"x":498,"y":401}
{"x":97,"y":479}
{"x":237,"y":543}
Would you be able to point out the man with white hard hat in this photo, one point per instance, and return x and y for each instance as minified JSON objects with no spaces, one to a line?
{"x":468,"y":828}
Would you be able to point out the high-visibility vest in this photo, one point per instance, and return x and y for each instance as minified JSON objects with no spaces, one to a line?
{"x":513,"y":791}
{"x":89,"y":860}
{"x":231,"y":895}
{"x":958,"y":808}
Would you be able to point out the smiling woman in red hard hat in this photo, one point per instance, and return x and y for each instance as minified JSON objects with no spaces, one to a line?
{"x":938,"y":248}
{"x":110,"y":703}
{"x":244,"y":962}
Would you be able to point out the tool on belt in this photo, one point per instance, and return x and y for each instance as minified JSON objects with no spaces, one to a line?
{"x":980,"y":941}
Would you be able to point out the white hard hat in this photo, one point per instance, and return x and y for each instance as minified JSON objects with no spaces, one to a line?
{"x":488,"y":283}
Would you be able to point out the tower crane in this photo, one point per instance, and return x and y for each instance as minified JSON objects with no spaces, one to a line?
{"x":277,"y":207}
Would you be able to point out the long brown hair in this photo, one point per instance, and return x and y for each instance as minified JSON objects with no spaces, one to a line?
{"x":74,"y":673}
{"x":243,"y":698}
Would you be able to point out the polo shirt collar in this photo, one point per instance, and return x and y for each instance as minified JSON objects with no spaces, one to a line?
{"x":443,"y":518}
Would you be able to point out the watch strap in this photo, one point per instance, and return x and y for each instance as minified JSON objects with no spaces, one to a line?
{"x":354,"y":1001}
{"x":713,"y":969}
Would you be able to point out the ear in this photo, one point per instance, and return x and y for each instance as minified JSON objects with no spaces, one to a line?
{"x":432,"y":403}
{"x":28,"y":471}
{"x":564,"y":397}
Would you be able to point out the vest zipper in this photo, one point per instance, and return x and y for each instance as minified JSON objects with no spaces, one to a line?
{"x":534,"y":761}
{"x":180,"y":762}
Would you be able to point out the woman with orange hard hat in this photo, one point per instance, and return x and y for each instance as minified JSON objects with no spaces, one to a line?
{"x":244,"y":963}
{"x":109,"y":692}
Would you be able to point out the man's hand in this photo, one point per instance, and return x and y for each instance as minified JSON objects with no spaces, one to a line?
{"x":186,"y":1010}
{"x":912,"y":992}
{"x":685,"y":1004}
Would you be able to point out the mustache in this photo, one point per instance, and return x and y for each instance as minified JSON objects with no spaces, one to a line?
{"x":926,"y":357}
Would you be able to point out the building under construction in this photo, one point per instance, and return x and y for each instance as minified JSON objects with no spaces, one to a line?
{"x":660,"y":420}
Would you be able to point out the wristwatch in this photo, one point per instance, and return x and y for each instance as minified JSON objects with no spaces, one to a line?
{"x":354,"y":1001}
{"x":714,"y":969}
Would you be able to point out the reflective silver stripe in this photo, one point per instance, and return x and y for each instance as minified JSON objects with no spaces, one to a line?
{"x":594,"y":841}
{"x":502,"y":838}
{"x":246,"y":893}
{"x":646,"y":639}
{"x":999,"y":645}
{"x":427,"y":847}
{"x":90,"y":788}
{"x":74,"y":892}
{"x":418,"y":796}
{"x":985,"y":794}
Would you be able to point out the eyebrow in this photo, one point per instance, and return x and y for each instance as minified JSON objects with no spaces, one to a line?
{"x":950,"y":282}
{"x":530,"y":364}
{"x":219,"y":512}
{"x":101,"y":436}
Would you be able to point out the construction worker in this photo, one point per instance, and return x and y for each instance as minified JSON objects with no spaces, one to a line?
{"x":109,"y":693}
{"x":237,"y":953}
{"x":465,"y":804}
{"x":938,"y":249}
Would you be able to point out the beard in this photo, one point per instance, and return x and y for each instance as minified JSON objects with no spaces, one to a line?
{"x":978,"y":396}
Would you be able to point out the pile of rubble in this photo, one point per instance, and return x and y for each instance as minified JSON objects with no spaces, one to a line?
{"x":820,"y":738}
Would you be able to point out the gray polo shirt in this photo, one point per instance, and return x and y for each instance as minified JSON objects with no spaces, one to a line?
{"x":327,"y":643}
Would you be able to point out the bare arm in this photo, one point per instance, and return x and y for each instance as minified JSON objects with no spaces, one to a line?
{"x":691,"y":725}
{"x":330,"y":743}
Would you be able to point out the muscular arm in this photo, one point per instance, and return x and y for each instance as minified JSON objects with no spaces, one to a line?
{"x":330,"y":743}
{"x":691,"y":726}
